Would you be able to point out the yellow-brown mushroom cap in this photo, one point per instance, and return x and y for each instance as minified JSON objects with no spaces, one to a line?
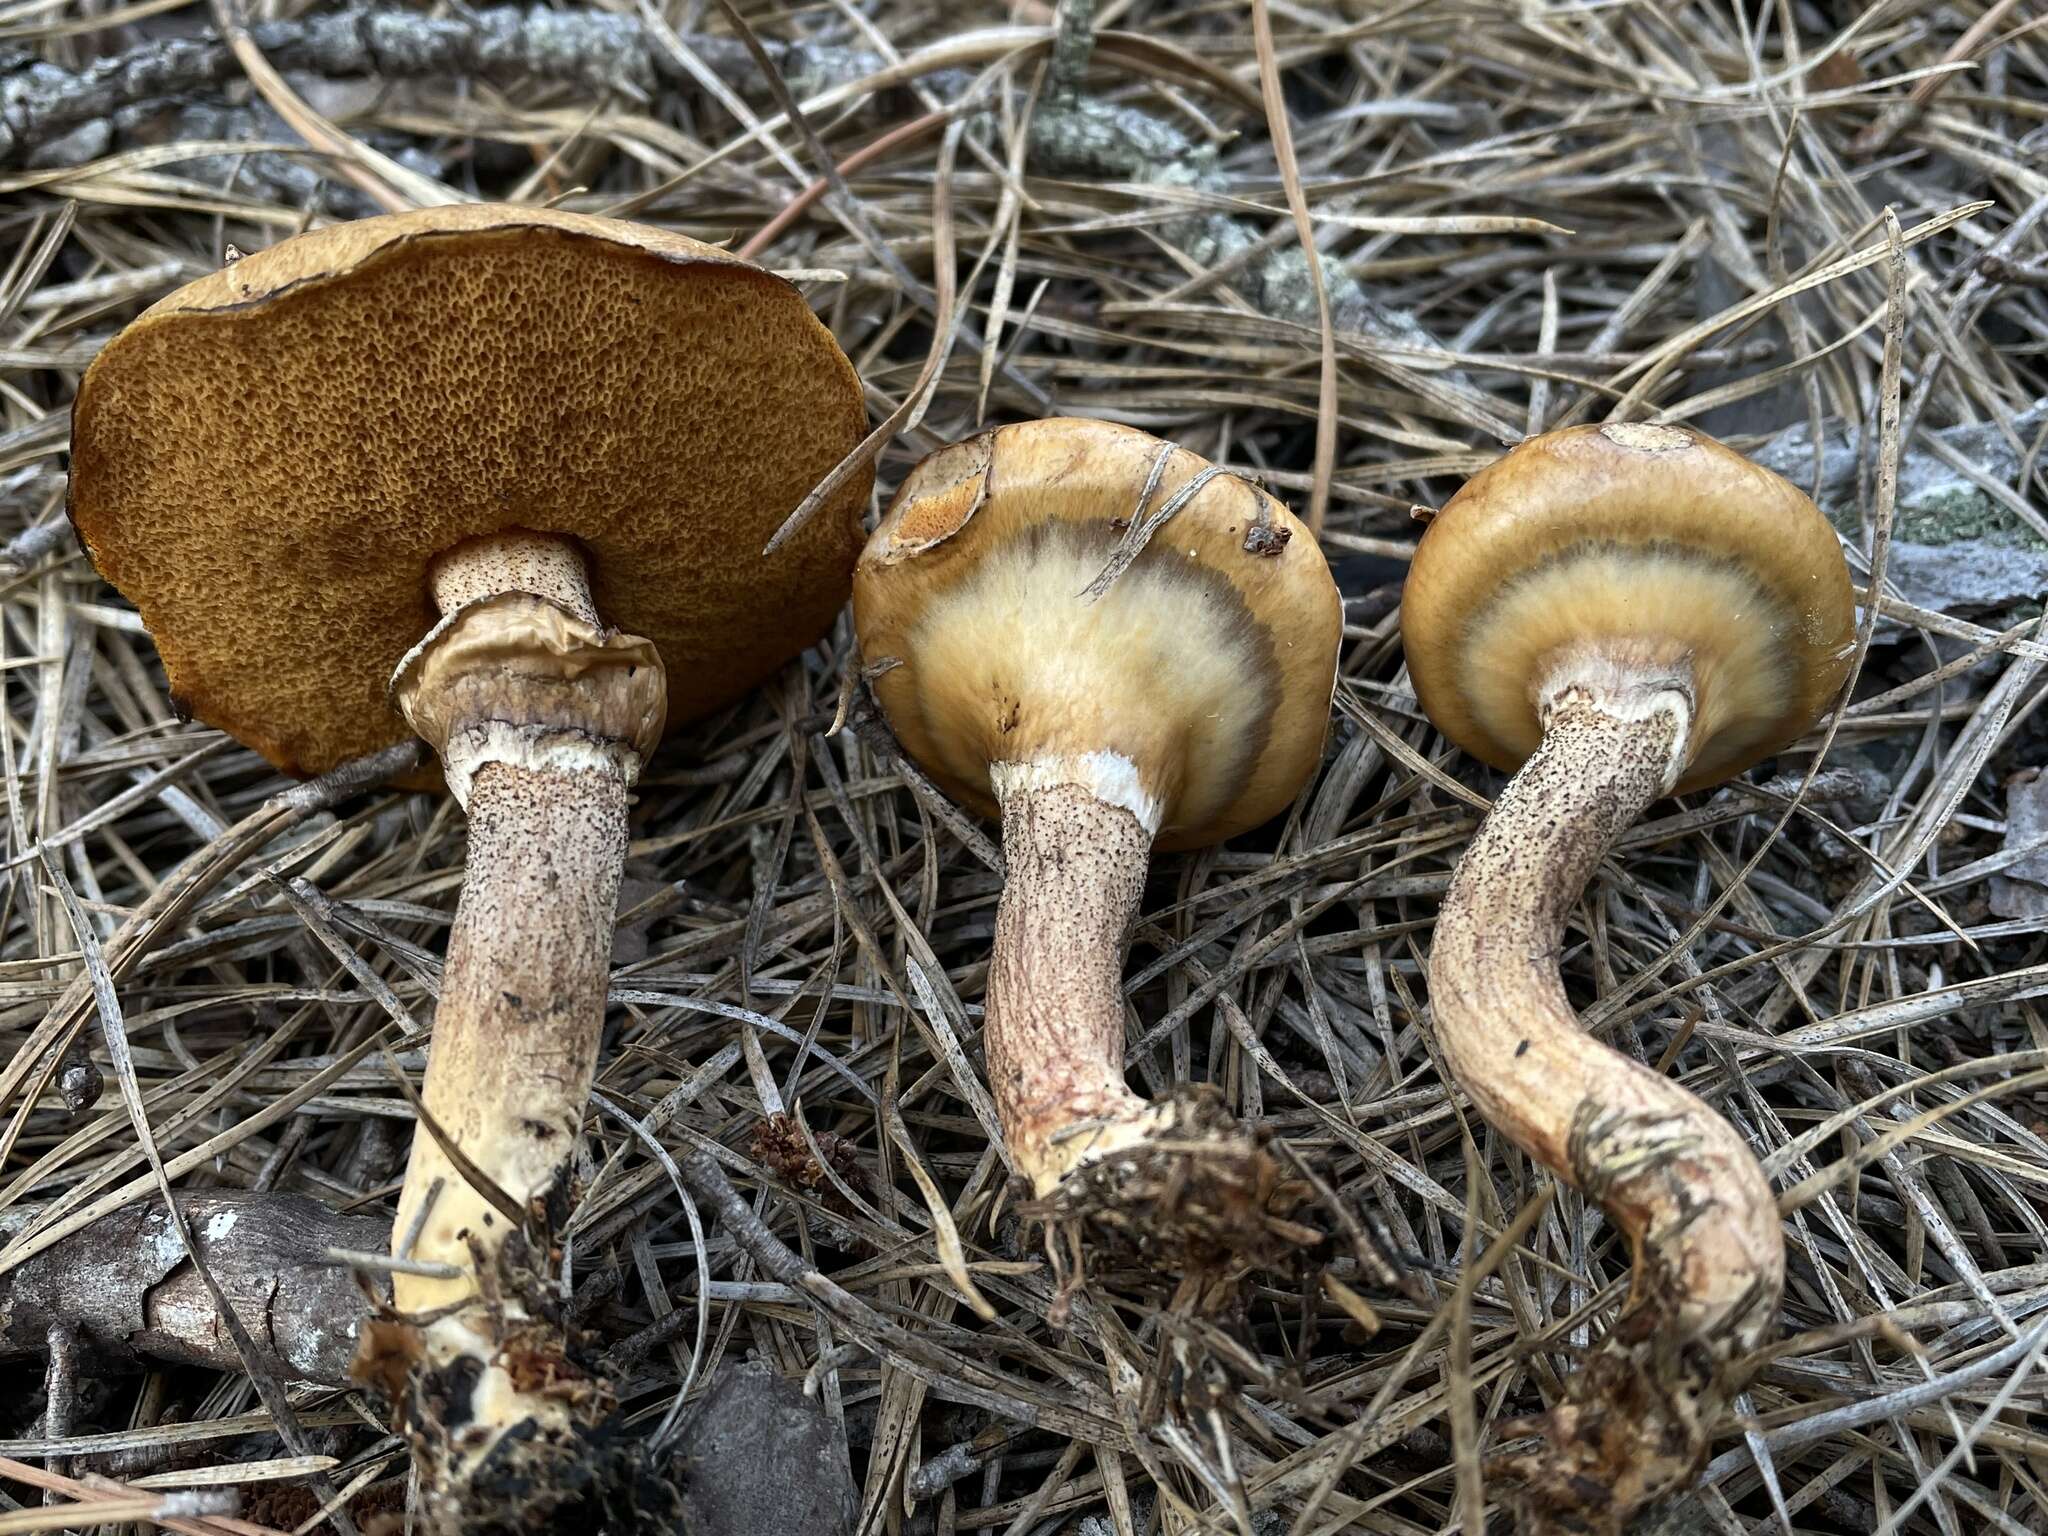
{"x":1207,"y":664}
{"x":267,"y":461}
{"x":1654,"y":546}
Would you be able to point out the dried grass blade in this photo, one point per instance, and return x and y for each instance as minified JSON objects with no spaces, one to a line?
{"x":952,"y":1253}
{"x":1290,"y":178}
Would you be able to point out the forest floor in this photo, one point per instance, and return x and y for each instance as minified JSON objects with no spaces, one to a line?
{"x":1814,"y":229}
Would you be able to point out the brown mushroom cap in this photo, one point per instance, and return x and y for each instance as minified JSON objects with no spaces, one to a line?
{"x":1653,"y":545}
{"x":1207,"y":664}
{"x":267,"y":461}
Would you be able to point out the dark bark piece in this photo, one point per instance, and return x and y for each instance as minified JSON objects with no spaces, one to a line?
{"x":2022,"y":889}
{"x":757,"y":1455}
{"x":128,"y":1288}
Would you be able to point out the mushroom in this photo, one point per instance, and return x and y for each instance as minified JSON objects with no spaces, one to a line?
{"x":1615,"y":612}
{"x":1110,"y":646}
{"x":515,"y":467}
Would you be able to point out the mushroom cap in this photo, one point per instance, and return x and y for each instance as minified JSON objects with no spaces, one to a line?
{"x":1207,"y":664}
{"x":267,"y":461}
{"x":1652,"y":546}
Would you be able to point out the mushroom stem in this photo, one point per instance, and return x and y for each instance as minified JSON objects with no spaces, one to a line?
{"x":1670,"y":1172}
{"x":521,"y":1010}
{"x":543,"y":564}
{"x":1178,"y":1186}
{"x":541,"y":719}
{"x":1054,"y":1034}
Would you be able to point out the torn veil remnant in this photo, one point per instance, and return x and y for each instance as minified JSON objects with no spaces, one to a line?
{"x":1067,"y":630}
{"x":512,"y":466}
{"x":1615,"y":612}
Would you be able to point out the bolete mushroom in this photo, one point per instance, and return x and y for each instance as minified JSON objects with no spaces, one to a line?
{"x":1615,"y":612}
{"x":500,"y":476}
{"x":1111,"y":646}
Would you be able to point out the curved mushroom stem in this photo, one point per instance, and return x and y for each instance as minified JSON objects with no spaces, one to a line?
{"x":1180,"y":1181}
{"x":541,"y":719}
{"x":1668,"y":1170}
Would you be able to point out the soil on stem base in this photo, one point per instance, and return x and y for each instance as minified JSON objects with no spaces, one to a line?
{"x":1200,"y":1196}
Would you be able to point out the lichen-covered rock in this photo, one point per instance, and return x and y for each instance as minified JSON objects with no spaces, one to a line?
{"x":1937,"y":503}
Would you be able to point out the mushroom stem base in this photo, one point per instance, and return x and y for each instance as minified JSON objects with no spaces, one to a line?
{"x":1670,"y":1172}
{"x":1178,"y":1184}
{"x":510,"y":1438}
{"x":1190,"y":1194}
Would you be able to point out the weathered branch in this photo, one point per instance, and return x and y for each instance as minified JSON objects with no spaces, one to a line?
{"x":128,"y":1289}
{"x":501,"y":44}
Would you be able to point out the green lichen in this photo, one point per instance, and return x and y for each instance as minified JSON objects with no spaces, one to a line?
{"x":1937,"y":503}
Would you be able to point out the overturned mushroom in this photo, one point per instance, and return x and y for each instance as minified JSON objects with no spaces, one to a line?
{"x":568,"y":438}
{"x":1111,"y":646}
{"x":1615,"y":612}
